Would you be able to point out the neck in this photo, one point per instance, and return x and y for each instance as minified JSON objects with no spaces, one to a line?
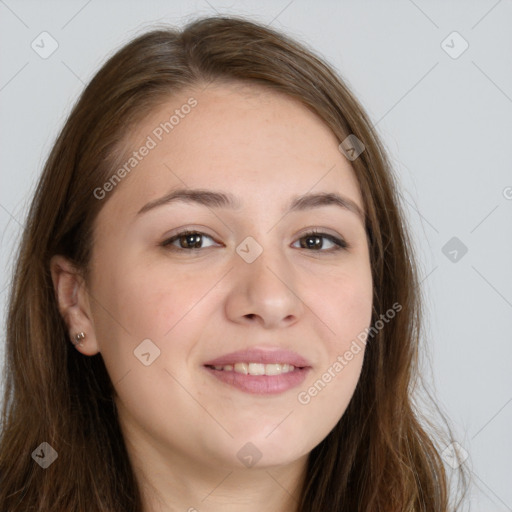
{"x":274,"y":489}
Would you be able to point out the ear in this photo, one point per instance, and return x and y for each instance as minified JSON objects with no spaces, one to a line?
{"x":73,"y":302}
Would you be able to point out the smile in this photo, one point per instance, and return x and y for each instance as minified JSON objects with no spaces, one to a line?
{"x":256,"y":368}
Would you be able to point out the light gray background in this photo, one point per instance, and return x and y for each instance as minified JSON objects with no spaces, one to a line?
{"x":447,"y":123}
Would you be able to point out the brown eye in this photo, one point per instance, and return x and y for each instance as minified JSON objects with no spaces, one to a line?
{"x":315,"y":241}
{"x":194,"y":240}
{"x":190,"y":241}
{"x":186,"y":240}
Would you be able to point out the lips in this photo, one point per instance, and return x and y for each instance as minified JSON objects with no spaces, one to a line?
{"x":277,"y":356}
{"x":258,"y":371}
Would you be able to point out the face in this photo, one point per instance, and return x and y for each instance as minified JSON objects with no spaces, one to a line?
{"x":267,"y":272}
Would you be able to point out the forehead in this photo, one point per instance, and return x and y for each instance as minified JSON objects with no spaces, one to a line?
{"x":257,"y":143}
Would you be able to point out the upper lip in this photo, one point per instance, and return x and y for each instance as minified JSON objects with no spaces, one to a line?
{"x":257,"y":355}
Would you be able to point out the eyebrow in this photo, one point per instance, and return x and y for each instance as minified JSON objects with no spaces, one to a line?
{"x":214,"y":199}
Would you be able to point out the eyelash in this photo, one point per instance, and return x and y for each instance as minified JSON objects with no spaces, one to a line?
{"x":339,"y":243}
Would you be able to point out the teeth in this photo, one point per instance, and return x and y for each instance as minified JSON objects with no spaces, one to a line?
{"x":242,"y":368}
{"x":257,"y":368}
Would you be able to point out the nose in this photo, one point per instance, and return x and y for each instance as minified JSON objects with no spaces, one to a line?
{"x":264,"y":292}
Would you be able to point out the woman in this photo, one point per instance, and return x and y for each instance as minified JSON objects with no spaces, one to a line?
{"x":215,"y":305}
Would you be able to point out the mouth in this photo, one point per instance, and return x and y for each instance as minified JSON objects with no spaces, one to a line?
{"x":260,"y":371}
{"x":256,"y":368}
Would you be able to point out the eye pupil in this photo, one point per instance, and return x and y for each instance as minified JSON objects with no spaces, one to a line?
{"x":312,"y":242}
{"x":192,"y":240}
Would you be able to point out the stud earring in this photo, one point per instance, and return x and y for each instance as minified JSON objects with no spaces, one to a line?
{"x":78,"y":337}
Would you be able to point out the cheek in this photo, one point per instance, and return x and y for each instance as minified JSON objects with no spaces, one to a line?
{"x":326,"y":397}
{"x":157,"y":305}
{"x":148,"y":303}
{"x":346,"y":301}
{"x":347,"y":307}
{"x":151,"y":303}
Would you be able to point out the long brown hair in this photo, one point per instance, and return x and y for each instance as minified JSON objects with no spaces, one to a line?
{"x":381,"y":456}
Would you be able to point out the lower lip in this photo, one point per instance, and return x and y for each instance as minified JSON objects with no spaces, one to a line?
{"x":261,"y":384}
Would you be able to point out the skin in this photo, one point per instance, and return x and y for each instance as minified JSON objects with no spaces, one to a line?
{"x":182,"y":426}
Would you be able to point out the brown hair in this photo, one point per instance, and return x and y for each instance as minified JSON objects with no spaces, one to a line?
{"x":379,"y":457}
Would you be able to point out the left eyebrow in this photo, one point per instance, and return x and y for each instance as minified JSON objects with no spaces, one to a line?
{"x":215,"y":199}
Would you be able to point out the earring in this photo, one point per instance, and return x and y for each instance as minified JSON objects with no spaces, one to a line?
{"x":79,"y":336}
